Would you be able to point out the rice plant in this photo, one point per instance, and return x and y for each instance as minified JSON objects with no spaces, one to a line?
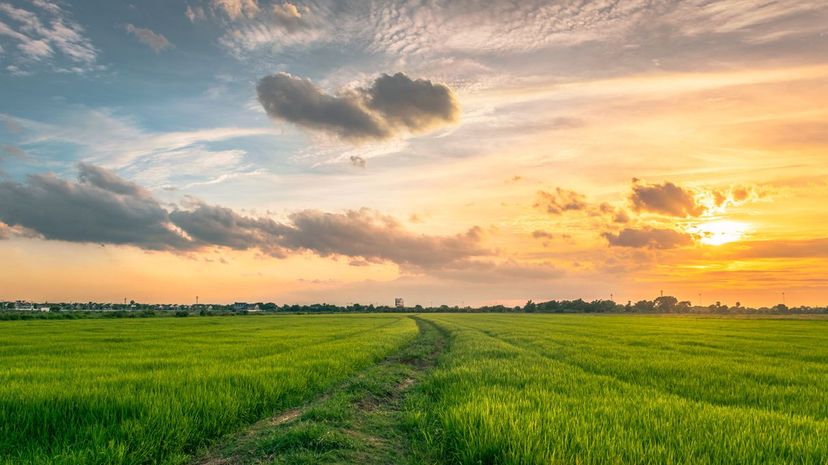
{"x":547,"y":389}
{"x":153,"y":391}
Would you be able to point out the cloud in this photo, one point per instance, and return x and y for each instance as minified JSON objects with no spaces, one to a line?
{"x":44,"y":33}
{"x":298,"y":101}
{"x":363,"y":235}
{"x":194,"y":13}
{"x":149,"y":157}
{"x":235,"y":9}
{"x":103,"y":208}
{"x":92,"y":210}
{"x":288,"y":16}
{"x":390,"y":106}
{"x":415,"y":105}
{"x":152,"y":39}
{"x":547,"y":236}
{"x":560,"y":201}
{"x":621,"y":216}
{"x":14,"y":151}
{"x":647,"y":237}
{"x":370,"y":235}
{"x":358,"y":161}
{"x":667,"y":199}
{"x":108,"y":181}
{"x":214,"y":225}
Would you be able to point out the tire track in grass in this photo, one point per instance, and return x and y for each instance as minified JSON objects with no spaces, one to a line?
{"x":360,"y":421}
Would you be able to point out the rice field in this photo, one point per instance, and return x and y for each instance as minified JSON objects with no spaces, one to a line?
{"x":155,"y":390}
{"x":492,"y":389}
{"x":549,"y":389}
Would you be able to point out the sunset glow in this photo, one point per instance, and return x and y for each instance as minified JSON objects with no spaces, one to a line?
{"x":451,"y":153}
{"x":720,"y":232}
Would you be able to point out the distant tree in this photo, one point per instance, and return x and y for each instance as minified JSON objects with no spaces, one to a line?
{"x":665,"y":303}
{"x":644,"y":306}
{"x":530,"y":307}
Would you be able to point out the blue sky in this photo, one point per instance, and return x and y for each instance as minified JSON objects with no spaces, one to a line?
{"x":504,"y":111}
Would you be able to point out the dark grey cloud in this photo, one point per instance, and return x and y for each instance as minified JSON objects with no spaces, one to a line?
{"x":298,"y":101}
{"x":109,"y":181}
{"x":148,"y":37}
{"x":370,"y":235}
{"x":88,"y":211}
{"x":364,"y":235}
{"x":390,"y":106}
{"x":104,"y":208}
{"x":667,"y":199}
{"x":647,"y":237}
{"x":560,"y":201}
{"x":416,"y":105}
{"x":215,"y":225}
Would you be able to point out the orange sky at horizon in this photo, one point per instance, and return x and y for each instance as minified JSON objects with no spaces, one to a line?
{"x":605,"y":163}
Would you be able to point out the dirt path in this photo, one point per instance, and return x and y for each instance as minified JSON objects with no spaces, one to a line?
{"x":361,"y":421}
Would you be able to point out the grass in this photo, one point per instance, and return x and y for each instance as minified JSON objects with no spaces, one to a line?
{"x":362,"y":420}
{"x":463,"y":389}
{"x":156,"y":390}
{"x":541,"y":389}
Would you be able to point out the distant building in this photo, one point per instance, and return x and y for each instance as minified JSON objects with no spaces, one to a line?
{"x":22,"y":305}
{"x":398,"y":303}
{"x":239,"y":306}
{"x":254,"y":308}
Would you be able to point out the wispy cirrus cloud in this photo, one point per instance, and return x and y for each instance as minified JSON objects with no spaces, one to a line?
{"x":411,"y":30}
{"x":45,"y":34}
{"x":155,"y":158}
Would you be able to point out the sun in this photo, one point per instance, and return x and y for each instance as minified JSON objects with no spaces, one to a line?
{"x":719,"y":232}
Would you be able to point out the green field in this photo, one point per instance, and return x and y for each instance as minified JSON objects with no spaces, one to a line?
{"x":152,"y":390}
{"x":540,"y":389}
{"x":443,"y":388}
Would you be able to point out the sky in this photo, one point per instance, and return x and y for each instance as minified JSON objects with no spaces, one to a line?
{"x":446,"y":152}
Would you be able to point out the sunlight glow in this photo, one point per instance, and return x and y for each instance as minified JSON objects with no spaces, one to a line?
{"x":719,"y":232}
